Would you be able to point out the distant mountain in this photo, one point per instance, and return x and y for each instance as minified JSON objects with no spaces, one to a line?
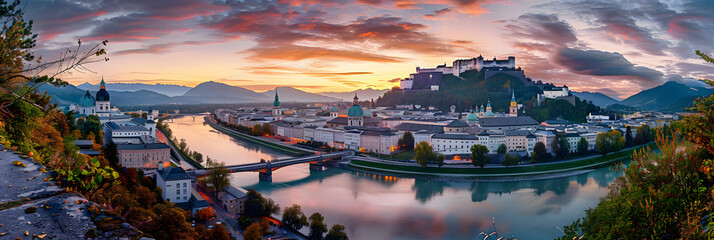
{"x":165,"y":89}
{"x":289,"y":94}
{"x":597,"y":98}
{"x":70,"y":94}
{"x":215,"y":92}
{"x":670,"y":96}
{"x":363,"y":94}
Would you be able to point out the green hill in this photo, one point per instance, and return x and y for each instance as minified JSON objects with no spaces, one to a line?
{"x":470,"y":90}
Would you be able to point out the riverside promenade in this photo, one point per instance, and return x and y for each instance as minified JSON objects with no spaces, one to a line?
{"x":492,"y":170}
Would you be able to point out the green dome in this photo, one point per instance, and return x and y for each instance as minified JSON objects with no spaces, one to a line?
{"x":355,"y":111}
{"x":334,"y":109}
{"x":102,"y":95}
{"x":87,"y":100}
{"x":489,"y":114}
{"x":367,"y":113}
{"x":471,"y":117}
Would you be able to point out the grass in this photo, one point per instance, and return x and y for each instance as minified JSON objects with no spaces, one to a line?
{"x":593,"y":162}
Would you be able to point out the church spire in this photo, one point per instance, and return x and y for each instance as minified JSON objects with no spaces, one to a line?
{"x":276,"y":103}
{"x":101,"y":84}
{"x":355,"y":100}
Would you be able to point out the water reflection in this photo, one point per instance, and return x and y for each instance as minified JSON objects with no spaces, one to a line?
{"x":380,"y":206}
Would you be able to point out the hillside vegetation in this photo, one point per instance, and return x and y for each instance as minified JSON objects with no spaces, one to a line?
{"x":471,"y":90}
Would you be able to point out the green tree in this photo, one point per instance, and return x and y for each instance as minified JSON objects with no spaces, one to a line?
{"x":183,"y":146}
{"x":509,"y":160}
{"x":479,"y":155}
{"x":628,"y":136}
{"x":337,"y":232}
{"x":406,"y":142}
{"x":294,"y":218}
{"x":423,"y":153}
{"x":170,"y":223}
{"x":539,"y":152}
{"x":583,"y":146}
{"x":501,"y":149}
{"x":219,"y":176}
{"x":317,"y":227}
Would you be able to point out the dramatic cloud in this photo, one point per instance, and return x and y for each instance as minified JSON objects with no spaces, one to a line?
{"x":544,"y":28}
{"x":131,"y":20}
{"x":601,"y":63}
{"x":161,"y":48}
{"x":294,"y":35}
{"x":437,"y":15}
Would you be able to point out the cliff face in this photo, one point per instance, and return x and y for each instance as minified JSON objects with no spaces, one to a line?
{"x":33,"y":206}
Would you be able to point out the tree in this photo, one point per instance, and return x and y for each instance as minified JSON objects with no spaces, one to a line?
{"x":628,"y":136}
{"x":406,"y":142}
{"x":563,"y":147}
{"x":294,"y":218}
{"x":170,"y":223}
{"x":317,"y":227}
{"x":423,"y":153}
{"x":609,"y":142}
{"x":144,"y":196}
{"x":479,"y":155}
{"x":205,"y":214}
{"x":583,"y":146}
{"x":219,"y":176}
{"x":555,"y":145}
{"x":640,"y":137}
{"x":509,"y":160}
{"x":183,"y":146}
{"x":257,"y":130}
{"x":267,"y":130}
{"x":539,"y":152}
{"x":258,"y":206}
{"x":501,"y":149}
{"x":253,"y":232}
{"x":337,"y":232}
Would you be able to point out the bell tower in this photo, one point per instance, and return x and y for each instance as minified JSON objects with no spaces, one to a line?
{"x":514,"y":106}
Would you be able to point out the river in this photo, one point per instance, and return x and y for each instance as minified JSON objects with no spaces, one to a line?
{"x":385,"y":207}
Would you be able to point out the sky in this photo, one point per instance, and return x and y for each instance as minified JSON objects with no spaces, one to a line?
{"x":617,"y":48}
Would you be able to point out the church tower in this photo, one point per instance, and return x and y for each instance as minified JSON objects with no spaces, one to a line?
{"x":514,"y":106}
{"x":355,"y":114}
{"x":277,"y":112}
{"x":103,"y":107}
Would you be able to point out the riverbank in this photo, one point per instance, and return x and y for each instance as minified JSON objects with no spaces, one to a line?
{"x":496,"y":171}
{"x":256,"y":140}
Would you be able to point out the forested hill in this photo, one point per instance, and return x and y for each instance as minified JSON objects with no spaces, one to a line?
{"x":470,"y":90}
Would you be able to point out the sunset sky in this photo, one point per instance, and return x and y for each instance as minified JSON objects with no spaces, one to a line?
{"x":616,"y":48}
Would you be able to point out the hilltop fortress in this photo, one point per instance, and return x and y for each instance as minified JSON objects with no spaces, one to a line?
{"x":430,"y":79}
{"x":462,"y":65}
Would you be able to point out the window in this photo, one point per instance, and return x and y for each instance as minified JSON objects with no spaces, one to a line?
{"x":184,"y":184}
{"x":178,"y":185}
{"x":184,"y":191}
{"x":178,"y":198}
{"x":178,"y":191}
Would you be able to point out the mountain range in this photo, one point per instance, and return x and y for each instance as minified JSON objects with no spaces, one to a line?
{"x":599,"y":99}
{"x":170,"y":90}
{"x":670,"y":96}
{"x":205,"y":93}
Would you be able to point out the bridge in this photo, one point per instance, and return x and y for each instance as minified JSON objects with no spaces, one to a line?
{"x":265,"y":169}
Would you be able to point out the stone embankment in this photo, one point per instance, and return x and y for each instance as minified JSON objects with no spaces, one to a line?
{"x":34,"y":207}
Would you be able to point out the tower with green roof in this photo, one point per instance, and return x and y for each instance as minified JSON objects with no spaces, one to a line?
{"x":277,"y":111}
{"x":355,"y":114}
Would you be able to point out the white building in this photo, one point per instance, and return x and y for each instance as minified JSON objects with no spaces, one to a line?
{"x":556,"y":92}
{"x":175,"y":184}
{"x":456,"y":143}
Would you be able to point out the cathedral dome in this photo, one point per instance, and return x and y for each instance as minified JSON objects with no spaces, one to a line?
{"x":102,"y":95}
{"x":334,"y":109}
{"x":87,"y":100}
{"x":471,"y":117}
{"x":355,"y":111}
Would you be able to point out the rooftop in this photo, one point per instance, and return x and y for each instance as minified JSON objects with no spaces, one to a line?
{"x":173,"y":173}
{"x":455,"y":136}
{"x":142,"y":146}
{"x":507,"y":121}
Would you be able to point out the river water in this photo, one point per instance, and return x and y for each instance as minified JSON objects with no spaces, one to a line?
{"x":385,"y":207}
